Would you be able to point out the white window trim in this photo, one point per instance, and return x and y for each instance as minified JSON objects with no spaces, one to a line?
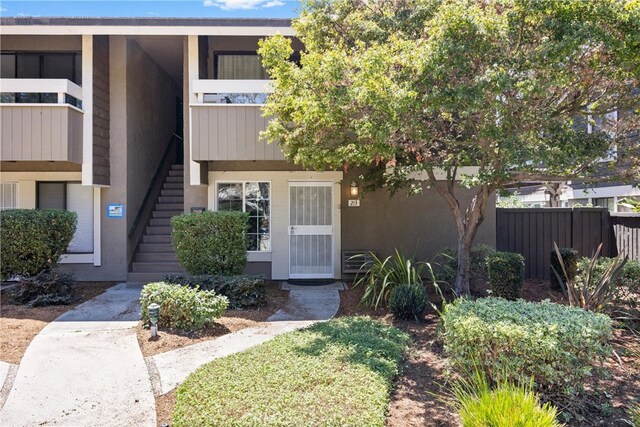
{"x":252,"y":256}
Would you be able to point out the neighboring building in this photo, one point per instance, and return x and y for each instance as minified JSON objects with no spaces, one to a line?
{"x":131,"y":121}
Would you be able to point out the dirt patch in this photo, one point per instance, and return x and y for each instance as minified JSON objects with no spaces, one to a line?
{"x":231,"y":321}
{"x":164,"y":408}
{"x":416,"y":400}
{"x":20,"y":324}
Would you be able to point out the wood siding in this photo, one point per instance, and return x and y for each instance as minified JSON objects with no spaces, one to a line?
{"x":230,"y":133}
{"x":41,"y":133}
{"x":101,"y":158}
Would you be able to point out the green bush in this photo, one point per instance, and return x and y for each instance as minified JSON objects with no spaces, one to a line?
{"x":447,"y":263}
{"x":506,"y":274}
{"x":551,"y":343}
{"x":33,"y":240}
{"x":334,"y":373}
{"x":626,"y":288}
{"x":211,"y":242}
{"x":408,"y":301}
{"x":241,"y":291}
{"x":47,"y":288}
{"x":182,"y":307}
{"x":506,"y":405}
{"x":570,"y":260}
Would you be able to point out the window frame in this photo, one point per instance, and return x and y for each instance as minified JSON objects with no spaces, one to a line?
{"x":243,"y":182}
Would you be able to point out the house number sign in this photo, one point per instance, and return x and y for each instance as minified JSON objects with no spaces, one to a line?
{"x":354,"y":203}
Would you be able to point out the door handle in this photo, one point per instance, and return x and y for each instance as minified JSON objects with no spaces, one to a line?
{"x":292,"y":231}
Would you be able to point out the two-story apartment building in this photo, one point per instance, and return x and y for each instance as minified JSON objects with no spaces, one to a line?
{"x":130,"y":121}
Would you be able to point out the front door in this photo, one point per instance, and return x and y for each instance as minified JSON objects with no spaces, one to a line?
{"x":311,"y":237}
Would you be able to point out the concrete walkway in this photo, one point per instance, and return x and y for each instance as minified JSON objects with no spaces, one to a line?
{"x":305,"y":306}
{"x":85,"y":369}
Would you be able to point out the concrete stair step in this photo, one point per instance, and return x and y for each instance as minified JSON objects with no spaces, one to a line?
{"x":156,"y":238}
{"x":134,"y":277}
{"x":176,"y":167}
{"x":172,"y":193}
{"x":171,"y":199}
{"x":169,"y":206}
{"x":162,"y":222}
{"x":155,"y":230}
{"x":155,"y":247}
{"x":173,"y":186}
{"x":155,"y":267}
{"x":165,"y":214}
{"x":156,"y":257}
{"x":178,"y":172}
{"x":178,"y":179}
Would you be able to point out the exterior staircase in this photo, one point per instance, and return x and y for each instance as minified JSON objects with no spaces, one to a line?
{"x":155,"y":257}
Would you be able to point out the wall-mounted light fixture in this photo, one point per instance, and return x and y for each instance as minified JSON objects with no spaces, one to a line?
{"x":354,"y":189}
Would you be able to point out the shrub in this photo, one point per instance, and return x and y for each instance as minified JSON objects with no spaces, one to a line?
{"x":506,"y":274}
{"x":334,"y":373}
{"x":634,"y":413}
{"x":33,"y":240}
{"x":553,"y":344}
{"x":382,"y":275}
{"x":241,"y":291}
{"x":211,"y":242}
{"x":47,"y":288}
{"x":570,"y":260}
{"x":408,"y":301}
{"x":506,"y":405}
{"x":182,"y":307}
{"x":447,"y":264}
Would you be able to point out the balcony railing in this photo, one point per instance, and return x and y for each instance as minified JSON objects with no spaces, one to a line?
{"x":238,"y":92}
{"x":41,"y":120}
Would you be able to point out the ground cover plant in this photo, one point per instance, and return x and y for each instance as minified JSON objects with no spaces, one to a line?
{"x":518,"y":340}
{"x":33,"y":240}
{"x":47,"y":288}
{"x":335,"y":373}
{"x":242,"y":290}
{"x":211,"y":242}
{"x":182,"y":307}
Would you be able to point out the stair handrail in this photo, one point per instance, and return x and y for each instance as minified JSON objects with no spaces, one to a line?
{"x":153,"y":181}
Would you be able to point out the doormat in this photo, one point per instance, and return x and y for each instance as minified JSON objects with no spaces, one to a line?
{"x":311,"y":282}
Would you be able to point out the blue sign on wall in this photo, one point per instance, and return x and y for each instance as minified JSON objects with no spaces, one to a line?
{"x":115,"y":210}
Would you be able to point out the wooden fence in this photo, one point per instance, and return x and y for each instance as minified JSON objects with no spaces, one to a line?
{"x":532,"y":232}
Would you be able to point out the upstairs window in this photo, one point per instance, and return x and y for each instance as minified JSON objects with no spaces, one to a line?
{"x":238,"y":66}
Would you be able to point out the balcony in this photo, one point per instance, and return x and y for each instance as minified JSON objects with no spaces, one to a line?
{"x":41,"y":120}
{"x":227,"y":120}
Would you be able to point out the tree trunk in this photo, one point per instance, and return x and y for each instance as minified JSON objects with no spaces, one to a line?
{"x":463,"y":273}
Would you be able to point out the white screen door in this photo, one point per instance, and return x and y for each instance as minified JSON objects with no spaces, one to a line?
{"x":310,"y":230}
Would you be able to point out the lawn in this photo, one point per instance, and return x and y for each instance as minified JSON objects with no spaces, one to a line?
{"x":336,"y":373}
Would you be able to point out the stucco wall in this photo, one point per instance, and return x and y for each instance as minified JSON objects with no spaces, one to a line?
{"x":151,"y":119}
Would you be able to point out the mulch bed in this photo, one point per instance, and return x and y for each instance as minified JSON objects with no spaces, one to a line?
{"x":20,"y":324}
{"x":416,"y":400}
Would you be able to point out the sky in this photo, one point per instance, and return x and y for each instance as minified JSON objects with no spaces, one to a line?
{"x":152,"y":8}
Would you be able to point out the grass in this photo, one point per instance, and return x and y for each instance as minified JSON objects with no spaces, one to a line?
{"x":335,"y":373}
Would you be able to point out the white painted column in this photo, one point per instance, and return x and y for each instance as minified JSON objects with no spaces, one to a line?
{"x":195,"y":174}
{"x":87,"y":107}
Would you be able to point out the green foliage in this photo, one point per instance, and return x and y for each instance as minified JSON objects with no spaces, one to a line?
{"x":505,"y":405}
{"x":34,"y":240}
{"x":182,"y":307}
{"x":570,"y":260}
{"x":510,"y":201}
{"x":506,"y":274}
{"x":211,"y":242}
{"x":242,"y":291}
{"x":518,"y":340}
{"x":632,"y":204}
{"x":335,"y":373}
{"x":634,"y":413}
{"x":381,"y":276}
{"x":408,"y":301}
{"x":47,"y":288}
{"x":447,"y":264}
{"x":591,"y":290}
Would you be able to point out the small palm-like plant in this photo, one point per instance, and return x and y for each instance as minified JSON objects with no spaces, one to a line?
{"x":631,"y":204}
{"x":380,"y":276}
{"x":596,"y":291}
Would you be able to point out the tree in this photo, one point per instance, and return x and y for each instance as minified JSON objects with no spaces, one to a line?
{"x":407,"y":87}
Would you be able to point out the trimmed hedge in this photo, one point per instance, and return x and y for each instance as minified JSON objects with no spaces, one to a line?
{"x":448,"y":264}
{"x":182,"y":307}
{"x":241,"y":291}
{"x":518,"y":340}
{"x":408,"y":301}
{"x":47,"y":288}
{"x":570,"y":260}
{"x":506,"y":274}
{"x":33,"y":240}
{"x":211,"y":242}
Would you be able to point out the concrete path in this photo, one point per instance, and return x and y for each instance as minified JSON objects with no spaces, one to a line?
{"x":305,"y":306}
{"x":85,"y":369}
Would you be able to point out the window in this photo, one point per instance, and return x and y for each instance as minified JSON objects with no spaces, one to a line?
{"x":8,"y":195}
{"x":71,"y":196}
{"x":255,"y":199}
{"x":604,"y":202}
{"x":238,"y":66}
